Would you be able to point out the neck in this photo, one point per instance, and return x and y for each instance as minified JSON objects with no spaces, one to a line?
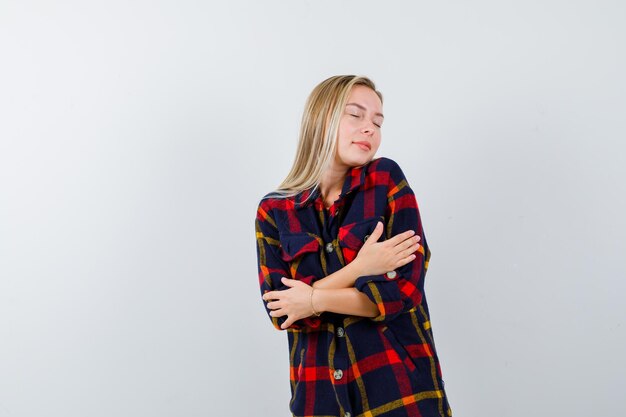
{"x":332,"y":182}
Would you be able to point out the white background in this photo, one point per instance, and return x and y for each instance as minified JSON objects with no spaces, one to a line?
{"x":137,"y":138}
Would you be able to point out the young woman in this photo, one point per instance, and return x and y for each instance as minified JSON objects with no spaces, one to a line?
{"x":341,"y":259}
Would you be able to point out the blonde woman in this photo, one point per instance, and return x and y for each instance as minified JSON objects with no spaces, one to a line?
{"x":341,"y":259}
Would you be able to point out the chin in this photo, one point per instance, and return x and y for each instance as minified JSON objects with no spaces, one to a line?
{"x":359,"y":160}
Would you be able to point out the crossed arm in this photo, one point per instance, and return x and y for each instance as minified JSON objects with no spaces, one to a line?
{"x":336,"y":293}
{"x":362,"y":287}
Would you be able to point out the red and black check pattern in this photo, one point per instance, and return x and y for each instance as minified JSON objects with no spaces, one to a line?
{"x":345,"y":365}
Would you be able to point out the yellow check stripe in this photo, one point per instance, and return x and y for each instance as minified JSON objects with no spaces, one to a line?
{"x":402,"y":402}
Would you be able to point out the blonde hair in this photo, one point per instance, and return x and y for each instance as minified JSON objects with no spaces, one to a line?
{"x":318,"y":132}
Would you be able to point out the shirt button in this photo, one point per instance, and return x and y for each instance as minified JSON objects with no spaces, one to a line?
{"x":391,"y":274}
{"x":365,"y":238}
{"x":338,"y":374}
{"x":340,"y":331}
{"x":347,"y":414}
{"x":329,"y":247}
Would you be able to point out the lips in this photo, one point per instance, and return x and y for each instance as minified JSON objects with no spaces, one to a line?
{"x":364,"y":145}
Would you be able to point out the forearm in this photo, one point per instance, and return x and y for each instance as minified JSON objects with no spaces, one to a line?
{"x":343,"y":278}
{"x":348,"y":301}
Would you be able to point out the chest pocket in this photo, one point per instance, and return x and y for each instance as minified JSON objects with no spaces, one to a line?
{"x":301,"y":251}
{"x":352,"y":236}
{"x":294,"y":245}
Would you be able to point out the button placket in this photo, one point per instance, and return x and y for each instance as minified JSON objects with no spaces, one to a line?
{"x":329,"y":247}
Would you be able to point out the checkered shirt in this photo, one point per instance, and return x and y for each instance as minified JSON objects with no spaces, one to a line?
{"x":342,"y":365}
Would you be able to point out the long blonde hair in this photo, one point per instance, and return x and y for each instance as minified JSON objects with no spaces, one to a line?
{"x":318,"y":132}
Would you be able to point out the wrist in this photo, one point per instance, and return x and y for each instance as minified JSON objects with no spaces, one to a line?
{"x":318,"y":301}
{"x":315,"y":310}
{"x":355,"y":270}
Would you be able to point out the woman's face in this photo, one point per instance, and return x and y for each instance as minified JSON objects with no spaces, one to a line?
{"x":359,"y":129}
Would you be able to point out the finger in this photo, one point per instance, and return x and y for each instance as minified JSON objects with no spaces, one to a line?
{"x":287,"y":323}
{"x":406,"y":260}
{"x":272,"y":295}
{"x":409,"y":246}
{"x":274,"y":305}
{"x":401,"y":237}
{"x":411,"y":241}
{"x":278,"y":313}
{"x":411,"y":250}
{"x":288,"y":282}
{"x":376,"y":233}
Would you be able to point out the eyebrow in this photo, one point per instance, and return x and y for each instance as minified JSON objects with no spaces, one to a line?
{"x":364,"y":109}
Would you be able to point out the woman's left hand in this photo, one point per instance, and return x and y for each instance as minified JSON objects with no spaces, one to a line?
{"x":294,"y":302}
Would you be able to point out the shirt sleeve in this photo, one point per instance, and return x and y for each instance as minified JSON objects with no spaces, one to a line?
{"x":271,"y":266}
{"x":395,"y":295}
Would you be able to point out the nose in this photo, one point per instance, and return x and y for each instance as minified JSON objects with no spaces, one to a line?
{"x":368,"y":128}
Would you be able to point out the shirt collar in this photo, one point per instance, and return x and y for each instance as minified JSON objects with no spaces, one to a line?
{"x":355,"y":177}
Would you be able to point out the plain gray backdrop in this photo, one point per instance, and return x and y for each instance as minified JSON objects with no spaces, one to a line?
{"x":137,"y":138}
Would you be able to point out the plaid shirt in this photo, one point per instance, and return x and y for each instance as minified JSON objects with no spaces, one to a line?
{"x":344,"y":365}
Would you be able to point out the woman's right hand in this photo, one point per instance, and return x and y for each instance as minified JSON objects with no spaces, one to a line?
{"x":376,"y":258}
